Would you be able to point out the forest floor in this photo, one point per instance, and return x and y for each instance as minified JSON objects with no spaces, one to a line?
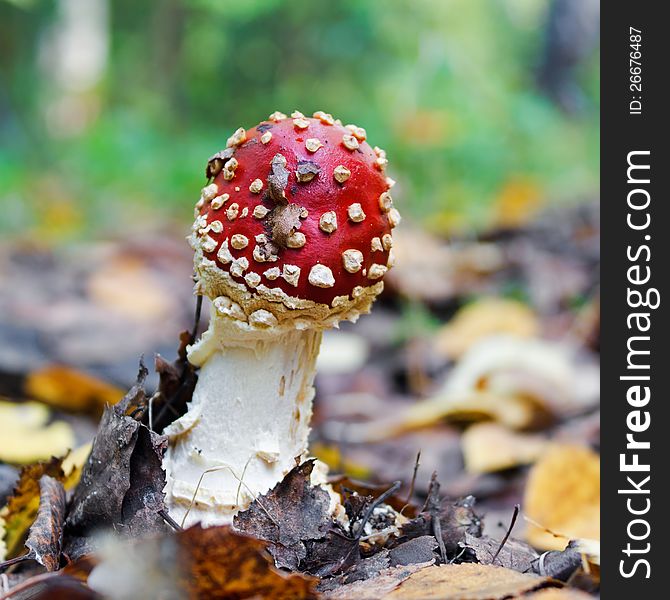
{"x":474,"y":384}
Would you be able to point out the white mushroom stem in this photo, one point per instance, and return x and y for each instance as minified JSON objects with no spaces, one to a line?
{"x":248,"y":420}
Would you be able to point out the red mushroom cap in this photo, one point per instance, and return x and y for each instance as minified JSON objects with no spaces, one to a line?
{"x":299,"y":204}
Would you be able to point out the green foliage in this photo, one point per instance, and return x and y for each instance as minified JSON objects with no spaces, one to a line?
{"x":446,"y":87}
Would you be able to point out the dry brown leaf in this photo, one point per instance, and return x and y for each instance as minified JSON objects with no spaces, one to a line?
{"x":468,"y":581}
{"x":212,"y":563}
{"x":219,"y":563}
{"x":563,"y":496}
{"x":46,"y":533}
{"x":26,"y":436}
{"x":559,"y":594}
{"x":376,"y":587}
{"x":21,"y":509}
{"x":69,"y":389}
{"x":481,"y":319}
{"x":489,"y":447}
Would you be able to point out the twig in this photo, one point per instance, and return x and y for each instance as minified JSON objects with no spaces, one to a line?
{"x":167,"y":402}
{"x":509,"y":531}
{"x":375,"y":503}
{"x":413,"y":482}
{"x":170,"y":521}
{"x":198,"y":310}
{"x":16,"y":560}
{"x":433,"y":506}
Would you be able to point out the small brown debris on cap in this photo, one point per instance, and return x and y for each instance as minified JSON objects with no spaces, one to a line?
{"x":306,"y":171}
{"x":341,"y":173}
{"x":328,"y":221}
{"x":278,"y":178}
{"x":321,"y":276}
{"x":355,"y":212}
{"x":352,"y":260}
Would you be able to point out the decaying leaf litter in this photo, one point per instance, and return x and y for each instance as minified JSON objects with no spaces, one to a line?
{"x":491,"y":374}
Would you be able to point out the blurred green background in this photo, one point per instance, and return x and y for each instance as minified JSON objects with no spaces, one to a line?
{"x":488,"y":109}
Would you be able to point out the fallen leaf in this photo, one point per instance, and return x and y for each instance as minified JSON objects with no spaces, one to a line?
{"x":549,"y":375}
{"x":46,"y":533}
{"x":481,"y":319}
{"x":515,"y":554}
{"x":373,"y":588}
{"x":468,"y":407}
{"x":290,"y":514}
{"x":418,"y":550}
{"x":27,"y":436}
{"x":212,"y":563}
{"x":51,"y":586}
{"x":456,"y":519}
{"x":467,"y":581}
{"x":559,"y":594}
{"x":563,"y":496}
{"x":489,"y":447}
{"x":122,"y":481}
{"x":69,"y":389}
{"x":21,"y":508}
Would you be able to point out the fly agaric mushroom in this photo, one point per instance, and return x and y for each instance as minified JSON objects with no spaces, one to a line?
{"x":291,"y":235}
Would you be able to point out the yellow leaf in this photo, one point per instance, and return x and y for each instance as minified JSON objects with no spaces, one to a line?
{"x":70,"y":389}
{"x":26,"y":437}
{"x":467,"y":581}
{"x":563,"y":496}
{"x":483,"y":318}
{"x":19,"y":513}
{"x":489,"y":447}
